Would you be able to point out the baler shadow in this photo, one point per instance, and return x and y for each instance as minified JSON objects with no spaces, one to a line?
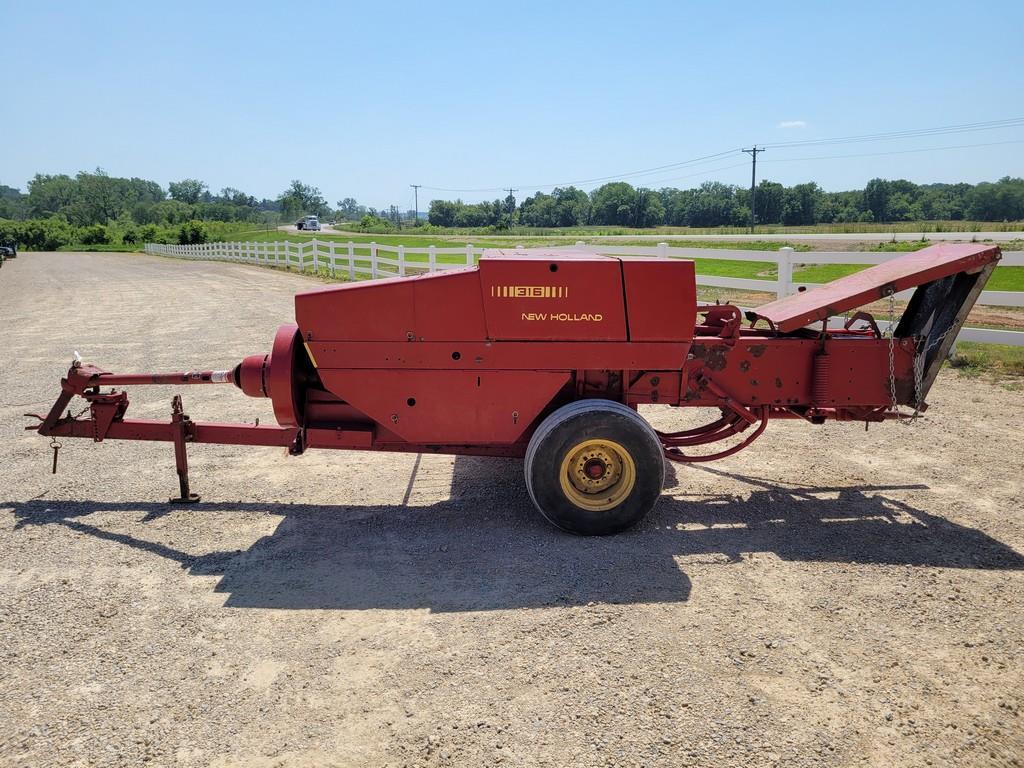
{"x":485,"y":548}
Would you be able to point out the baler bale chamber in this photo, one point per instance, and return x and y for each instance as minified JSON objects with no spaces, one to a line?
{"x":546,"y":356}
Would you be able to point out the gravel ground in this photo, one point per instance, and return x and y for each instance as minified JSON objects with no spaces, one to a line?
{"x":828,"y":597}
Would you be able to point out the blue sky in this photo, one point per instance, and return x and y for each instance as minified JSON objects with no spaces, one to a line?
{"x":363,"y":99}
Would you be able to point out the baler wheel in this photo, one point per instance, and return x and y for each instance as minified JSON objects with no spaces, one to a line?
{"x":594,"y":467}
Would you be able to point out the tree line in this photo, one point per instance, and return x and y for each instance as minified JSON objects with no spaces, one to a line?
{"x":715,"y":204}
{"x":94,"y":208}
{"x":95,"y":197}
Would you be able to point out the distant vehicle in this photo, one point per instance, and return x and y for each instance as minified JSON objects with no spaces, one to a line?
{"x":300,"y":224}
{"x":311,"y":224}
{"x":9,"y":250}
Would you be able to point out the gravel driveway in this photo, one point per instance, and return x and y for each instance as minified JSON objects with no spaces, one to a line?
{"x":828,"y":597}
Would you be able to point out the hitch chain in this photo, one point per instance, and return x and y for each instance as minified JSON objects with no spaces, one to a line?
{"x":891,"y":333}
{"x":919,"y":359}
{"x":918,"y":367}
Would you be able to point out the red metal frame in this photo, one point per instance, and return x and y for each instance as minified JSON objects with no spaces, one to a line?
{"x":471,"y":361}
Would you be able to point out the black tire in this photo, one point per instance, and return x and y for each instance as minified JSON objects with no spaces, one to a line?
{"x":588,"y":437}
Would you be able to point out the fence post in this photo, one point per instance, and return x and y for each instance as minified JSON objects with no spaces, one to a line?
{"x":351,"y":261}
{"x":785,"y":272}
{"x":662,"y":250}
{"x":316,"y":256}
{"x":401,"y":261}
{"x":277,"y":256}
{"x":432,"y":258}
{"x":469,"y":255}
{"x":287,"y":257}
{"x":373,"y":259}
{"x":330,"y":269}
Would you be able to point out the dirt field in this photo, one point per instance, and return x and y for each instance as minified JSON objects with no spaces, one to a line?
{"x":828,"y":597}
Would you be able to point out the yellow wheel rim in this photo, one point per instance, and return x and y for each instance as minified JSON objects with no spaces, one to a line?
{"x":597,"y":474}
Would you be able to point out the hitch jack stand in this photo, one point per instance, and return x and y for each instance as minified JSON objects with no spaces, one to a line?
{"x":181,"y":426}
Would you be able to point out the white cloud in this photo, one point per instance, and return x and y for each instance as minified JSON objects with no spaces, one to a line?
{"x":793,"y":124}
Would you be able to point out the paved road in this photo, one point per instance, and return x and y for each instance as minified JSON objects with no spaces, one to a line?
{"x":857,"y":237}
{"x":875,"y":237}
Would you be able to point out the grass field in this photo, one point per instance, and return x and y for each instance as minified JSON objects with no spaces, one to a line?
{"x":1003,"y":279}
{"x":999,"y":359}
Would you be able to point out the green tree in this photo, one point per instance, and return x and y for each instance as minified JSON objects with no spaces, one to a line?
{"x":614,"y":203}
{"x":350,"y":210}
{"x":442,"y":213}
{"x":187,"y":190}
{"x":770,"y":198}
{"x":876,"y":199}
{"x":800,"y":204}
{"x":300,"y":199}
{"x":50,"y":195}
{"x":650,"y":211}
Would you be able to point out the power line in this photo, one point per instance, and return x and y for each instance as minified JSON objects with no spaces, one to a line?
{"x":699,"y":173}
{"x":988,"y":125}
{"x":896,"y":152}
{"x":628,"y":174}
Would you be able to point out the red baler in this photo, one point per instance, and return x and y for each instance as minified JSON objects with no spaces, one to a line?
{"x":547,"y":355}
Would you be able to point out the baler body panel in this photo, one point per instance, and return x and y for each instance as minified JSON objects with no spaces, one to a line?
{"x":436,"y":307}
{"x":661,"y":299}
{"x":475,"y":356}
{"x":557,"y":299}
{"x":443,"y":407}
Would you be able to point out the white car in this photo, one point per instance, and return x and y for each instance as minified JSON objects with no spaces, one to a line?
{"x":311,"y":224}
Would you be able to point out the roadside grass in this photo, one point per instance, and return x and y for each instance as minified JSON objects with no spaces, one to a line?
{"x":973,"y":358}
{"x":104,"y":248}
{"x":1003,"y":279}
{"x":737,"y":245}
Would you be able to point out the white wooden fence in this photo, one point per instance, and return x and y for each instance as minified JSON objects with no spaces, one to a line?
{"x":351,"y":260}
{"x":365,"y":260}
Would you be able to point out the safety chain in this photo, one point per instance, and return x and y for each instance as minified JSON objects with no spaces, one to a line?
{"x":919,"y":361}
{"x":891,"y":333}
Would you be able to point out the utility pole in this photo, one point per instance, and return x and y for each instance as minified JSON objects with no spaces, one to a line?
{"x":753,"y":180}
{"x":511,"y":208}
{"x":416,"y":194}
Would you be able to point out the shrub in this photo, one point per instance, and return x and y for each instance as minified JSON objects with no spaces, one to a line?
{"x":45,"y":234}
{"x":94,"y":235}
{"x":192,"y":233}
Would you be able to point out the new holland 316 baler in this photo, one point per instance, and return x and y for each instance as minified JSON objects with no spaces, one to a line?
{"x":547,"y":356}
